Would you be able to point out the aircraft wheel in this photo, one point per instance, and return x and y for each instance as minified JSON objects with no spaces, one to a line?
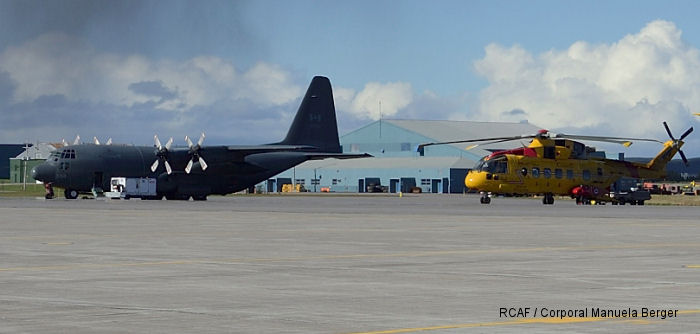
{"x":641,"y":202}
{"x":199,"y":198}
{"x":70,"y":194}
{"x":485,"y":200}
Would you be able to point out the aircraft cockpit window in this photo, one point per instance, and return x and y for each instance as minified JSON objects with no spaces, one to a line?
{"x":54,"y":156}
{"x":68,"y":154}
{"x":498,"y":165}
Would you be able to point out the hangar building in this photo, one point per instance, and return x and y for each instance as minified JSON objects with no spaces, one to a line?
{"x":396,"y":165}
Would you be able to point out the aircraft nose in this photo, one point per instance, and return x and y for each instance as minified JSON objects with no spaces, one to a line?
{"x":44,"y":173}
{"x":474,"y":180}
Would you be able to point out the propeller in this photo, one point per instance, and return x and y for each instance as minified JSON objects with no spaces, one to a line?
{"x":194,"y":152}
{"x":97,"y":142}
{"x":77,"y":140}
{"x":162,"y":154}
{"x":678,"y":142}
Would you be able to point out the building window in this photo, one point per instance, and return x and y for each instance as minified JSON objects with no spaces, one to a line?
{"x":300,"y":181}
{"x":424,"y":182}
{"x":315,"y":182}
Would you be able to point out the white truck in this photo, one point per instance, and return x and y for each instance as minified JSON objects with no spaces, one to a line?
{"x":129,"y":187}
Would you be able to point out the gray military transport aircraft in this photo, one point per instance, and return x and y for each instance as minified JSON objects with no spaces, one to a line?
{"x":182,"y":173}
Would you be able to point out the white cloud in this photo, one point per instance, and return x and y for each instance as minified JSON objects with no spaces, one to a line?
{"x":628,"y":87}
{"x":375,"y":99}
{"x":58,"y":64}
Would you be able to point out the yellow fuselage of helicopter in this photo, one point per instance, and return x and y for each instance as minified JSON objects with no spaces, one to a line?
{"x":559,"y":174}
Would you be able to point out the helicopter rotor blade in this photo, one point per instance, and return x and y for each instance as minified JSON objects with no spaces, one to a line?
{"x":668,"y":131}
{"x":501,"y":139}
{"x":686,"y":133}
{"x":626,"y":141}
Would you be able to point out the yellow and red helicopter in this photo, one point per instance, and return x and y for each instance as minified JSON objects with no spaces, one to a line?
{"x":556,"y":164}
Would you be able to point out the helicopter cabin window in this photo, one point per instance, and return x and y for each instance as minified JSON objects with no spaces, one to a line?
{"x":549,"y":152}
{"x":547,"y":173}
{"x":558,"y":173}
{"x":600,"y":171}
{"x":586,"y":174}
{"x":523,"y":171}
{"x":535,"y":172}
{"x":569,"y":174}
{"x":497,"y":165}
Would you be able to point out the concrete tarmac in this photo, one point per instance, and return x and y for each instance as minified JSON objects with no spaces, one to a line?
{"x":346,"y":264}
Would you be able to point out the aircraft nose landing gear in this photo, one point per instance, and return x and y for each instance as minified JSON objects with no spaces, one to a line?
{"x":485,"y":199}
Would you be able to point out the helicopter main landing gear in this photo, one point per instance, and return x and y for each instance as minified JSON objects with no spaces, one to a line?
{"x":548,"y":199}
{"x":485,"y":198}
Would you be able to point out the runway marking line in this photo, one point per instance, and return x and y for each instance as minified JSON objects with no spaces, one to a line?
{"x":519,"y":322}
{"x":693,"y":266}
{"x":344,"y":256}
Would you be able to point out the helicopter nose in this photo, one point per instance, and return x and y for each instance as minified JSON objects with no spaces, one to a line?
{"x":44,"y":173}
{"x":475,"y":180}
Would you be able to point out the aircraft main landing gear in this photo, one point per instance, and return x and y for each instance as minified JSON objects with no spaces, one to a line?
{"x":70,"y":194}
{"x":548,"y":199}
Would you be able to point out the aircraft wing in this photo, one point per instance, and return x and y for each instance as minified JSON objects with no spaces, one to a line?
{"x":320,"y":156}
{"x":310,"y":151}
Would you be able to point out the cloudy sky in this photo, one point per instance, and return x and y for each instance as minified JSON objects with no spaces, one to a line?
{"x":238,"y":69}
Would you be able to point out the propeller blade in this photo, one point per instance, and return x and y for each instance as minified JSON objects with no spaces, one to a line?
{"x":685,"y":160}
{"x":77,"y":140}
{"x":154,"y":166}
{"x":203,"y":164}
{"x":109,"y":141}
{"x":157,"y":142}
{"x":167,"y":167}
{"x":170,"y":142}
{"x":189,"y":166}
{"x":201,"y":139}
{"x":189,"y":142}
{"x":64,"y":142}
{"x":668,"y":131}
{"x":97,"y":142}
{"x":686,"y":133}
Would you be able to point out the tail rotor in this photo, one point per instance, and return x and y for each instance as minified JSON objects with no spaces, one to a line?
{"x":677,"y":142}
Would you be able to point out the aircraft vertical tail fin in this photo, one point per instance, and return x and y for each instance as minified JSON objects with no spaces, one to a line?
{"x":315,"y":122}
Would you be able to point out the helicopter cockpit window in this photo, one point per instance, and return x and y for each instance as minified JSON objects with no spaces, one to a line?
{"x":498,"y":165}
